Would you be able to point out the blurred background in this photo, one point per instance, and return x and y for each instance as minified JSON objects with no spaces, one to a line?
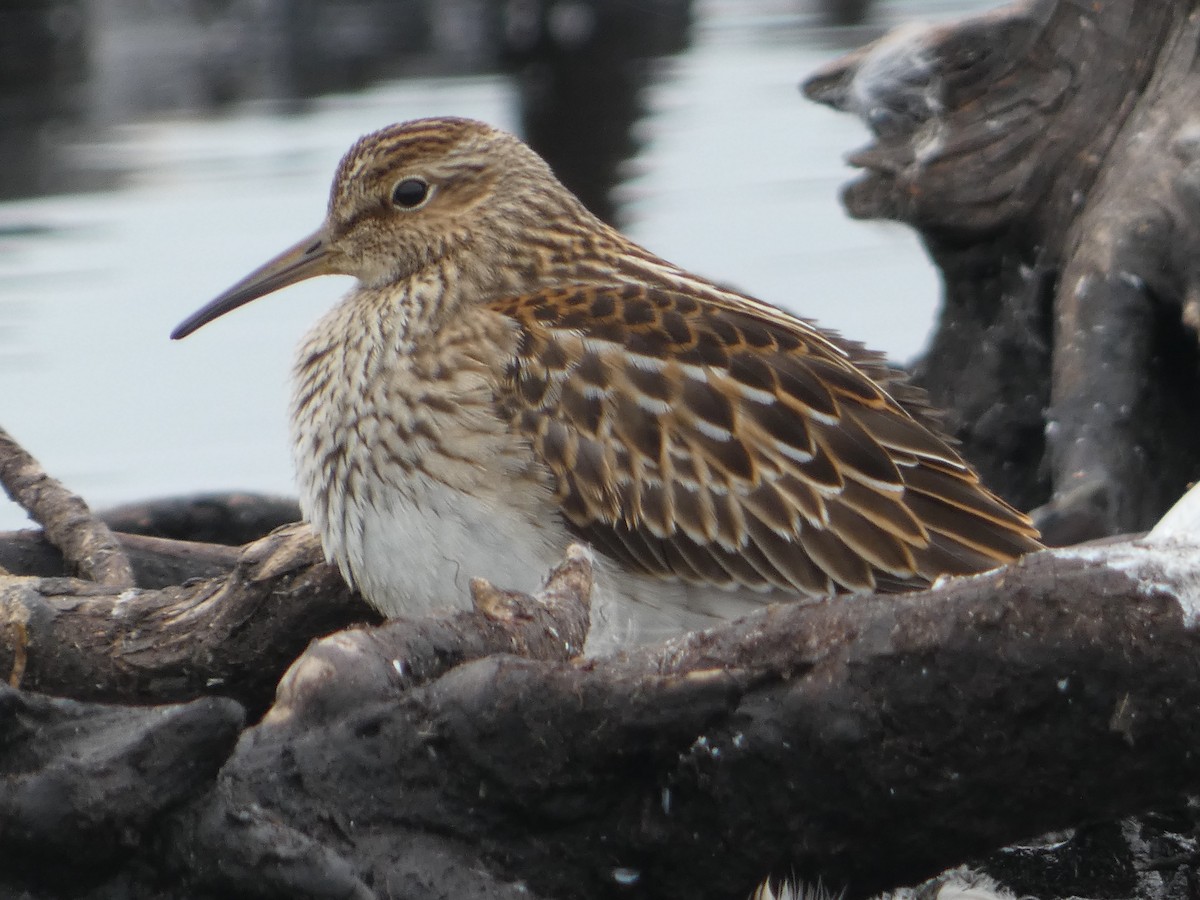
{"x":153,"y":151}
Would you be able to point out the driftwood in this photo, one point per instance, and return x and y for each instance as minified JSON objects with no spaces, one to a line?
{"x":868,"y":742}
{"x":232,"y":519}
{"x":234,"y":634}
{"x":87,"y":544}
{"x":1048,"y":155}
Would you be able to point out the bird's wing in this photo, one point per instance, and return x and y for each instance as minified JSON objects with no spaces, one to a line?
{"x":715,"y":445}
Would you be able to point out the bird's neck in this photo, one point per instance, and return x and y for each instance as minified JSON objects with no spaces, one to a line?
{"x":584,"y":250}
{"x":398,"y":313}
{"x":587,"y":250}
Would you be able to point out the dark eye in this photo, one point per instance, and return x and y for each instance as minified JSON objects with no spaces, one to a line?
{"x":409,"y":193}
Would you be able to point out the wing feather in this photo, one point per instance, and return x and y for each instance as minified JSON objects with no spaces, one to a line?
{"x":717,"y":444}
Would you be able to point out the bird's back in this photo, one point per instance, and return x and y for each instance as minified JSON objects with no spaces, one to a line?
{"x":699,"y":436}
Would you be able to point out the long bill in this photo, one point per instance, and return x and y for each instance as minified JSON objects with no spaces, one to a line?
{"x":306,"y":259}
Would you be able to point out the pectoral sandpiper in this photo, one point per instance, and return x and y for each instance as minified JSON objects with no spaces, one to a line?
{"x":511,"y":374}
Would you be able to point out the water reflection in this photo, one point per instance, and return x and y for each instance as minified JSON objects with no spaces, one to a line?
{"x":582,"y":69}
{"x":43,"y":67}
{"x":68,"y":67}
{"x":218,"y":156}
{"x":845,"y":12}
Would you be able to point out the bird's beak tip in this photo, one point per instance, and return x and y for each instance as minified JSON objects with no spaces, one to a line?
{"x":305,"y":259}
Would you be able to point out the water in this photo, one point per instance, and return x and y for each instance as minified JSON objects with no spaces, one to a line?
{"x":734,"y":176}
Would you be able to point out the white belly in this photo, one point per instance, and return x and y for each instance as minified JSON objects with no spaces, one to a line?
{"x":416,"y":556}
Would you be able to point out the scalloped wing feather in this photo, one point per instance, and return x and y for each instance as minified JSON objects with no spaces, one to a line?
{"x":720,"y":444}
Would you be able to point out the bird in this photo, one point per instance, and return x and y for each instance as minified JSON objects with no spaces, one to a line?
{"x":510,"y":375}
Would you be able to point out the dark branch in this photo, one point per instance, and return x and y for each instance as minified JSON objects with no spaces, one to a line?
{"x":928,"y":728}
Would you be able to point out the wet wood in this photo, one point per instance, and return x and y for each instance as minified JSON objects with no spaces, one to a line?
{"x":156,"y":562}
{"x":168,"y":540}
{"x":1047,"y":154}
{"x":219,"y":518}
{"x":83,"y":783}
{"x":796,"y":738}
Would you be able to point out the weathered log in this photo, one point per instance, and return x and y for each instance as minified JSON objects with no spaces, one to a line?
{"x":233,"y":635}
{"x":167,"y":541}
{"x":1046,"y":154}
{"x":156,"y":562}
{"x":85,"y":765}
{"x":869,"y":741}
{"x":929,"y":729}
{"x":230,"y":518}
{"x":330,"y":677}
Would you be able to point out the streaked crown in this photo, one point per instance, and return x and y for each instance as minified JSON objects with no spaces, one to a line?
{"x":411,"y":194}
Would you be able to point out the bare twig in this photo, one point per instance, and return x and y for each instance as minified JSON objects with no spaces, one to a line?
{"x":87,"y":544}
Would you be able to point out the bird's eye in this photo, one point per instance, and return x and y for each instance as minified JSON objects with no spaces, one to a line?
{"x":409,"y":193}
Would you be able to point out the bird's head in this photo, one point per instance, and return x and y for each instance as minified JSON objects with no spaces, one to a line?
{"x":411,"y":195}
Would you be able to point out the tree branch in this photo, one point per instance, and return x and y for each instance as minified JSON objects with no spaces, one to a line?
{"x":86,"y":543}
{"x":234,"y":634}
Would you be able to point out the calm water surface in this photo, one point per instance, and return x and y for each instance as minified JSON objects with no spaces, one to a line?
{"x":736,"y":177}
